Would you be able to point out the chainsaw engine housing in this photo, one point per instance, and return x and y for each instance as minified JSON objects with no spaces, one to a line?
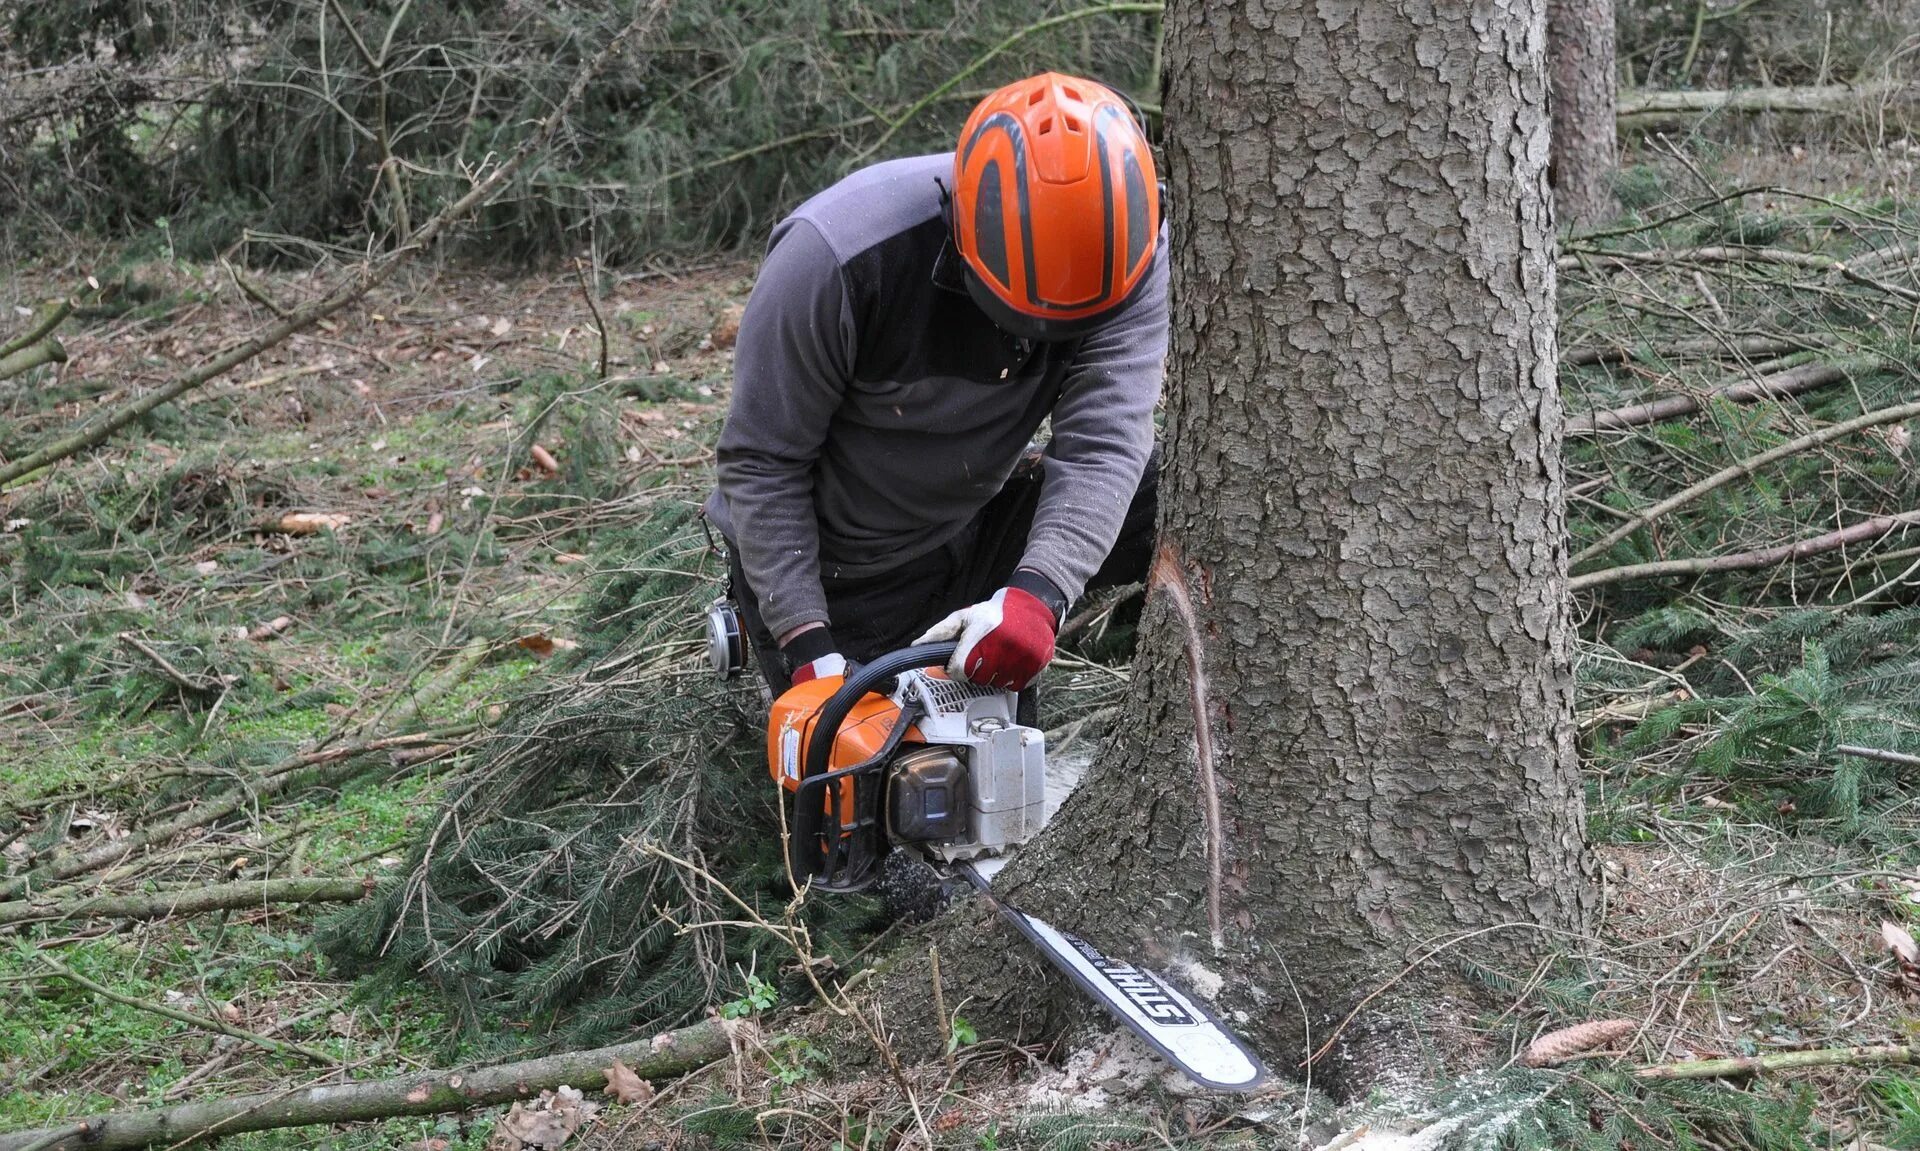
{"x":936,"y":765}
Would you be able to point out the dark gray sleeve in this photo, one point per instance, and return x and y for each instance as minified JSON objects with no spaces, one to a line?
{"x":1102,"y":434}
{"x":791,"y":366}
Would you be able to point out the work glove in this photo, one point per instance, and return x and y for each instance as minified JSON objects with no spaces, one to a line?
{"x":811,"y":655}
{"x":1006,"y":640}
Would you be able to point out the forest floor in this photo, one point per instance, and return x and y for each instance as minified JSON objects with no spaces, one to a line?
{"x":412,"y":420}
{"x":168,"y":629}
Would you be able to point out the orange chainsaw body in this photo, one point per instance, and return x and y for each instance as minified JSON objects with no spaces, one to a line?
{"x":866,"y":728}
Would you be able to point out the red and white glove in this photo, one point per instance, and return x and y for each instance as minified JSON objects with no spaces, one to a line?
{"x":811,"y":655}
{"x":1005,"y":641}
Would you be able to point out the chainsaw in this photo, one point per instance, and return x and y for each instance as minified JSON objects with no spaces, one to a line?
{"x":897,"y":755}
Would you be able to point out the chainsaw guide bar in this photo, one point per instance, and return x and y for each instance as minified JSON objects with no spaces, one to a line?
{"x":1183,"y":1031}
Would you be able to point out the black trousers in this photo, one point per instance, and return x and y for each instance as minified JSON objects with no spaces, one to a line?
{"x":876,"y":614}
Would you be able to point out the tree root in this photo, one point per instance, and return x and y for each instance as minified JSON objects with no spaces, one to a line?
{"x":422,"y":1093}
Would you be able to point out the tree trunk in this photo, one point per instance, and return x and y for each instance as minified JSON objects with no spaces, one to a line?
{"x":1580,"y":48}
{"x":1350,"y":732}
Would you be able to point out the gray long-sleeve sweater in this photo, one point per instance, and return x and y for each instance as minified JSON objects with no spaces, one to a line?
{"x":876,"y":409}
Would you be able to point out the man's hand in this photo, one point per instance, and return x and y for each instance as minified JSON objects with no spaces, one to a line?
{"x":811,"y":654}
{"x":1007,"y":640}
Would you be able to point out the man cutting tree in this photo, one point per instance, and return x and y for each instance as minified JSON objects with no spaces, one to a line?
{"x":911,"y":329}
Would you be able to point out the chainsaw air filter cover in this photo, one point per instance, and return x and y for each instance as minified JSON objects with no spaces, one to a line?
{"x":927,"y":796}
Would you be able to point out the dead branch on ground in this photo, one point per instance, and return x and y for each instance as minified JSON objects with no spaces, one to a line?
{"x":1741,"y":561}
{"x":1791,"y":382}
{"x":1782,"y":1061}
{"x":422,"y":1093}
{"x":191,"y":901}
{"x":1746,"y":467}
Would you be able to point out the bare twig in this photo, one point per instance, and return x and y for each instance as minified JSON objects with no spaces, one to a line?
{"x":282,"y":777}
{"x":312,"y":1054}
{"x":593,"y":306}
{"x":179,"y":678}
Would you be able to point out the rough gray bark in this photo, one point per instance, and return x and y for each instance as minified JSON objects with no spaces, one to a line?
{"x":1580,"y":49}
{"x":1350,"y":722}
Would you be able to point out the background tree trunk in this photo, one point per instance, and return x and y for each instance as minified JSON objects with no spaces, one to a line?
{"x":1580,"y":50}
{"x":1361,"y":590}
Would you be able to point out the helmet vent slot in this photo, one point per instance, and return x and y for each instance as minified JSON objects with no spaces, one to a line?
{"x":1073,"y":125}
{"x":1046,"y":125}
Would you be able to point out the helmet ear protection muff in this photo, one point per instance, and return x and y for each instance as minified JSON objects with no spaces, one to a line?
{"x":1055,"y":205}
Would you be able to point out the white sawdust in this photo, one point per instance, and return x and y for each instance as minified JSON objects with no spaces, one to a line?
{"x":1064,"y":770}
{"x":1106,"y":1069}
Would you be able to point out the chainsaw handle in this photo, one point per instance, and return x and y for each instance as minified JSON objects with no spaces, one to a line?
{"x":834,"y":712}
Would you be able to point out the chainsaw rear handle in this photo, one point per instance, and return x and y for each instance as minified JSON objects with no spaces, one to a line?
{"x":805,"y":849}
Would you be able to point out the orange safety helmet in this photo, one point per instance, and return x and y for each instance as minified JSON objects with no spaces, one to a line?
{"x":1055,"y":205}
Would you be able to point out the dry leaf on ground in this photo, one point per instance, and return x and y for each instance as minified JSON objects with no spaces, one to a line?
{"x":726,"y":326}
{"x":1573,"y":1042}
{"x":547,"y":1123}
{"x":544,"y":645}
{"x":1905,"y":952}
{"x":627,"y":1086}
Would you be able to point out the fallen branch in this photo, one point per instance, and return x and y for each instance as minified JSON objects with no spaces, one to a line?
{"x":1742,"y":561}
{"x":1747,"y":467}
{"x":1758,"y":347}
{"x":1895,"y":757}
{"x":1643,"y":109}
{"x":180,"y":678}
{"x":351,"y":289}
{"x":1576,"y":257}
{"x":192,"y":901}
{"x":423,"y":1093}
{"x":1783,"y":1061}
{"x":51,"y":315}
{"x":47,"y":351}
{"x":313,"y":1054}
{"x":1790,"y":382}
